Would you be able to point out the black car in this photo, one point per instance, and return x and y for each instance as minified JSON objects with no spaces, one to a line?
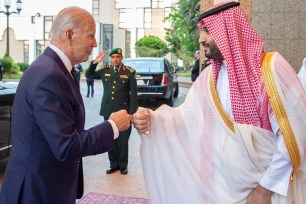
{"x":7,"y":95}
{"x":156,"y":78}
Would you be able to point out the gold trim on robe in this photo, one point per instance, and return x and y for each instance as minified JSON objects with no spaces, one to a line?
{"x":280,"y":113}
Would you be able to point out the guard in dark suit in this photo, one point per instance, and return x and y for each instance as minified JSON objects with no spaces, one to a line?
{"x":195,"y":72}
{"x":120,"y":92}
{"x":48,"y":135}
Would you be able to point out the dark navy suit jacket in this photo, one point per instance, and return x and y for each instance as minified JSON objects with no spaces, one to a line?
{"x":49,"y":139}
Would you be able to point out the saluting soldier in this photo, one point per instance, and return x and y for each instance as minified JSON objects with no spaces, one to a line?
{"x":120,"y":92}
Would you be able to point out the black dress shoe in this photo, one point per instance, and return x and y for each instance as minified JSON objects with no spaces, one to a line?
{"x":124,"y":171}
{"x":112,"y":170}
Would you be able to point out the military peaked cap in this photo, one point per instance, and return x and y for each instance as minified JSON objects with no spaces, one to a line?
{"x":115,"y":51}
{"x":218,"y":9}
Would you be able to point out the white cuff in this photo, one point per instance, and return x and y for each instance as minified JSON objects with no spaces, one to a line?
{"x":115,"y":129}
{"x":277,"y":186}
{"x":277,"y":176}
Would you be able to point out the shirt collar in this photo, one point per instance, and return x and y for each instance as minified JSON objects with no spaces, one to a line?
{"x":62,"y":56}
{"x":224,"y":65}
{"x":119,"y":67}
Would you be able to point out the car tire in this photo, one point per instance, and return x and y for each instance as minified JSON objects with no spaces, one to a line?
{"x":176,"y":92}
{"x":169,"y":101}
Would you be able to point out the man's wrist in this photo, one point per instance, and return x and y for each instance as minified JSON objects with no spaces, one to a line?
{"x":115,"y":129}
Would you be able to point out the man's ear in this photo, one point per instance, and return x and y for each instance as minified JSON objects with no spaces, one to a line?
{"x":69,"y":35}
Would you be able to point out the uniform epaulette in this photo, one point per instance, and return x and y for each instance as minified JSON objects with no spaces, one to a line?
{"x":131,"y":69}
{"x":105,"y":66}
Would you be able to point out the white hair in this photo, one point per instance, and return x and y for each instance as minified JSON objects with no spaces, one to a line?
{"x":68,"y":18}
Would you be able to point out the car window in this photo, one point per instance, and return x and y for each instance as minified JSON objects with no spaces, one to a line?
{"x":168,"y":65}
{"x":145,"y":65}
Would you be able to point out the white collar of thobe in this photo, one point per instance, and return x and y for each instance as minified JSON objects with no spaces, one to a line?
{"x":222,"y":87}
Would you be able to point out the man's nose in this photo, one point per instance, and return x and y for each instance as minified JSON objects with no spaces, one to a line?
{"x":202,"y":38}
{"x":95,"y":43}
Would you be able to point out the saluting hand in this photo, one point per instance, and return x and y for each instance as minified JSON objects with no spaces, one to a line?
{"x":100,"y":57}
{"x":122,"y":119}
{"x":141,"y":120}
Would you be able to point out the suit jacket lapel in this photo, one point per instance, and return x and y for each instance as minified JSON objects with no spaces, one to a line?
{"x":72,"y":82}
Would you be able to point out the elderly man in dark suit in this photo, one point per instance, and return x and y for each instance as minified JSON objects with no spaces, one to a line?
{"x":49,"y":139}
{"x":120,"y":92}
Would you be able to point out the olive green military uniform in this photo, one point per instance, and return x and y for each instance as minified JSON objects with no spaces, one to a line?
{"x":120,"y":92}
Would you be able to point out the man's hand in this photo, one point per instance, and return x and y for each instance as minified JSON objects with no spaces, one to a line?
{"x":122,"y":120}
{"x":141,"y":120}
{"x":259,"y":195}
{"x":100,"y":57}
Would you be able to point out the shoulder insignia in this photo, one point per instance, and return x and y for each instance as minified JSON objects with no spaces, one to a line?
{"x":131,"y":69}
{"x":105,"y":66}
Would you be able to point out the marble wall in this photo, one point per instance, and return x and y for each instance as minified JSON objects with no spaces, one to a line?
{"x":280,"y":23}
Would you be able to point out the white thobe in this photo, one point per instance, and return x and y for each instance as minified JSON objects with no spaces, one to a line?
{"x":191,"y":156}
{"x":277,"y":176}
{"x":302,"y":74}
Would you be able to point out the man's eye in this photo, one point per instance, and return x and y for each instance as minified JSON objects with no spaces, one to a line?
{"x":205,"y":29}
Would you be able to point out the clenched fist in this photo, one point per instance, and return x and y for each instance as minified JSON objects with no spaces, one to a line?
{"x":122,"y":119}
{"x":141,"y":120}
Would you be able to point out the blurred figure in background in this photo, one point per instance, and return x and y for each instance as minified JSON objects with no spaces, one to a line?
{"x":90,"y":81}
{"x":196,"y":67}
{"x":78,"y":68}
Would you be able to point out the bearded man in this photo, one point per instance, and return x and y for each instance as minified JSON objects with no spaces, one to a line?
{"x":240,"y":135}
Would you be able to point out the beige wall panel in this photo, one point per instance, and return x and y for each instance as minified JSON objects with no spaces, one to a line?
{"x":262,"y":25}
{"x":278,"y":5}
{"x":302,"y":26}
{"x":295,"y":52}
{"x":288,"y":27}
{"x":293,"y":6}
{"x":16,"y":46}
{"x":276,"y":45}
{"x":264,"y":5}
{"x":205,"y":4}
{"x":158,"y":25}
{"x":278,"y":26}
{"x":281,"y":24}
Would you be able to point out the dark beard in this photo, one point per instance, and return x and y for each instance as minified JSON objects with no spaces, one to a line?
{"x":214,"y":52}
